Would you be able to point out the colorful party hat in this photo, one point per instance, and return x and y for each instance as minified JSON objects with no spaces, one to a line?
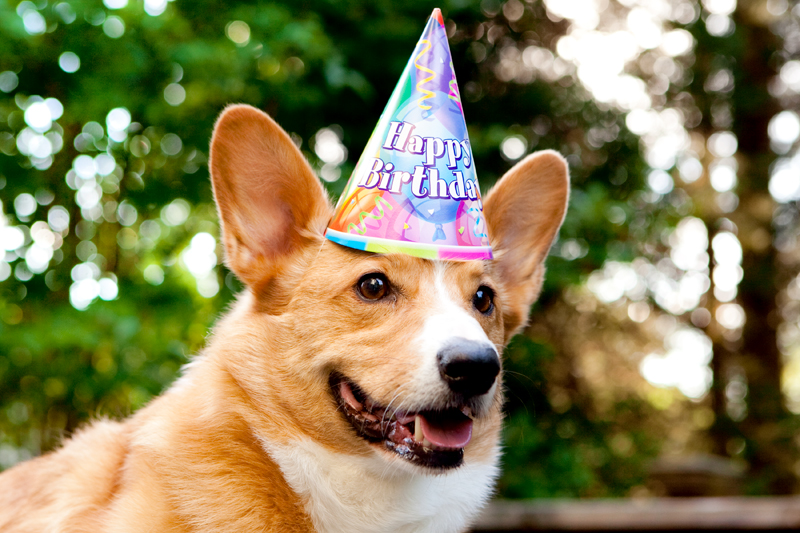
{"x":414,"y":189}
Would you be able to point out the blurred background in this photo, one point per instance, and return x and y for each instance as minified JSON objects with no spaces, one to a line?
{"x":666,"y":345}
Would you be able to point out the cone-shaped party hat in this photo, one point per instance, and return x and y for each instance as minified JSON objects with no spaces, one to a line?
{"x":414,"y":189}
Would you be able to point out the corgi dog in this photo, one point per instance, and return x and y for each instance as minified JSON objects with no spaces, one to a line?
{"x":344,"y":391}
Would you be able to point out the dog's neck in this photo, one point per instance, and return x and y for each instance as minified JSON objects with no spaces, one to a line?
{"x":355,"y":493}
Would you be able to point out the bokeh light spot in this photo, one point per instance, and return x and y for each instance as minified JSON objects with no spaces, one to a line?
{"x":108,"y":289}
{"x":684,"y":366}
{"x":24,"y":205}
{"x":127,"y":214}
{"x":730,"y":316}
{"x":33,"y":21}
{"x":11,"y":238}
{"x":660,"y":182}
{"x":719,"y":25}
{"x":723,"y":176}
{"x":114,"y":27}
{"x":171,"y":144}
{"x":784,"y":129}
{"x":153,"y":274}
{"x":238,"y":32}
{"x":784,"y":182}
{"x":677,"y":42}
{"x":513,"y":147}
{"x":328,"y":147}
{"x":690,"y":169}
{"x":58,"y":218}
{"x":65,"y":11}
{"x":723,"y":144}
{"x":38,"y":117}
{"x":174,"y":94}
{"x":8,"y":81}
{"x":720,"y":7}
{"x":69,"y":62}
{"x":176,"y":212}
{"x":155,"y":7}
{"x":118,"y":119}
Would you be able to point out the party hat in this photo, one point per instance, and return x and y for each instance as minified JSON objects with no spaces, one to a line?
{"x":414,"y":189}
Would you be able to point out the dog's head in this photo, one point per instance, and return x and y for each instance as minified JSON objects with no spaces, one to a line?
{"x":369,"y":353}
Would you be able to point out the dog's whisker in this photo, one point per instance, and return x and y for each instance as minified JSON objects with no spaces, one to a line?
{"x":396,"y":395}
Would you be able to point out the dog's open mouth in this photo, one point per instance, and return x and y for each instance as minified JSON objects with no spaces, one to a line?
{"x":434,"y":439}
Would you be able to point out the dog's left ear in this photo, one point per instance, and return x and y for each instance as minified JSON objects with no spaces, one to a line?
{"x":271,"y":205}
{"x":523,"y":212}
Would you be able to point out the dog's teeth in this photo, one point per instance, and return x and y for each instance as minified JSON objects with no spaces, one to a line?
{"x":418,"y":436}
{"x":426,"y":443}
{"x":468,"y":412}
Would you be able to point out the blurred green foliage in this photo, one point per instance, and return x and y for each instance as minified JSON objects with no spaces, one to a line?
{"x":568,"y":451}
{"x":311,"y":64}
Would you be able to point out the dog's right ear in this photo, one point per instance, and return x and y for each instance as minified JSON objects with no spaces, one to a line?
{"x":269,"y":200}
{"x":524,"y":211}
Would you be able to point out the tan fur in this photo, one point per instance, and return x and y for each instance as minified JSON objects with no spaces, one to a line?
{"x":197,"y":458}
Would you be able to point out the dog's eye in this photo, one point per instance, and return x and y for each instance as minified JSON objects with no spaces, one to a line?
{"x":373,"y":286}
{"x":483,"y":299}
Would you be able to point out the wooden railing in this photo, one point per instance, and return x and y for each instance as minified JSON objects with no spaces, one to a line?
{"x":652,"y":514}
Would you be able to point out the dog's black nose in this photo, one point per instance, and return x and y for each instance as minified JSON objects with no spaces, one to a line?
{"x":468,"y":367}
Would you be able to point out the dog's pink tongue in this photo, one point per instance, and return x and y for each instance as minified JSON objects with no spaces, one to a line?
{"x":447,"y":433}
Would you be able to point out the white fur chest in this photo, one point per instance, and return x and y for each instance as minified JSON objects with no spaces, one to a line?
{"x":344,"y":493}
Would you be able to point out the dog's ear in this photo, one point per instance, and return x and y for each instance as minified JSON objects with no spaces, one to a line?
{"x":523,"y":212}
{"x":270,"y":202}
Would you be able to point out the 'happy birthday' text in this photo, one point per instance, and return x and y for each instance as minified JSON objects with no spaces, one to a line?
{"x":377,"y":173}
